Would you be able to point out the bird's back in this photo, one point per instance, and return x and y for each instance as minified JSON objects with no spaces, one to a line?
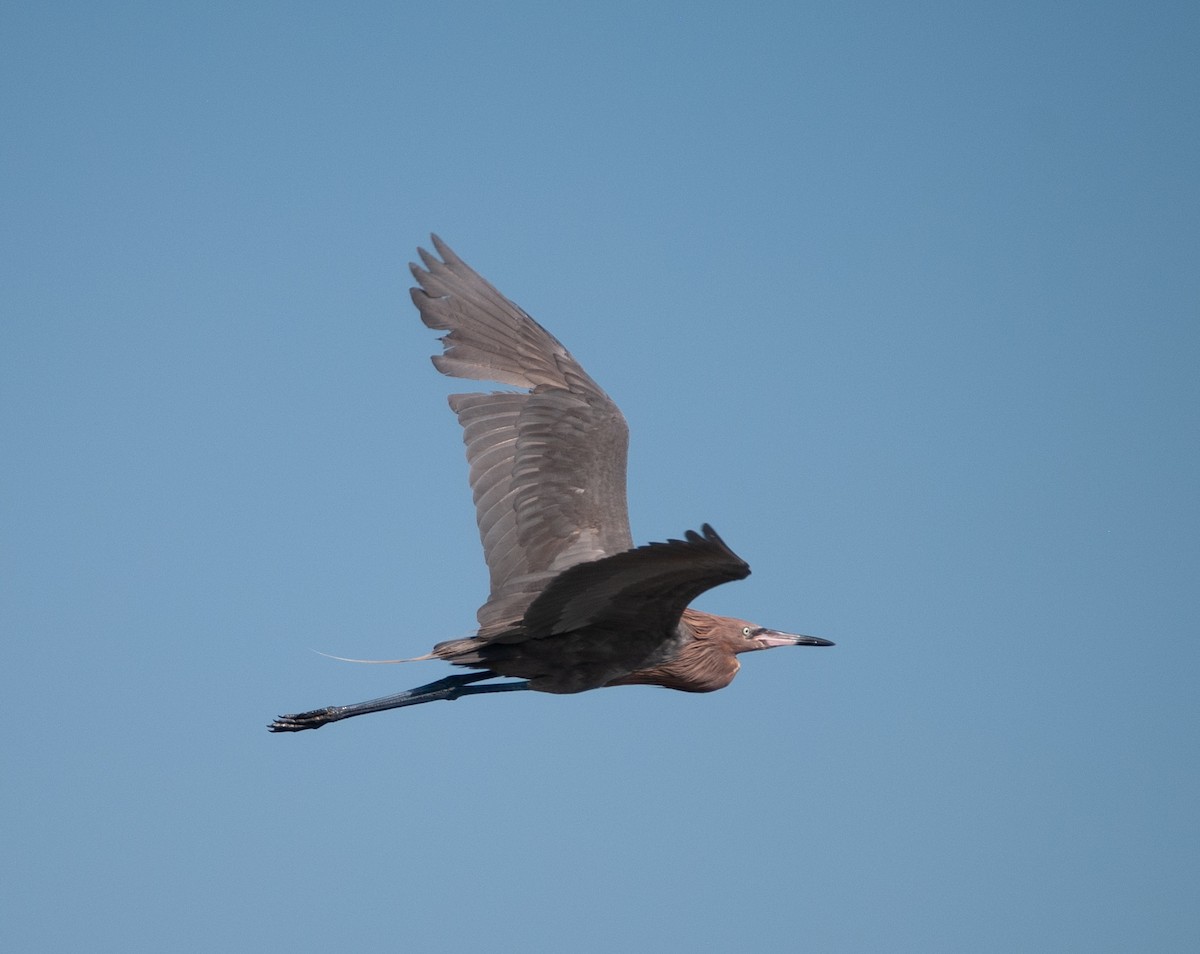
{"x":600,"y":621}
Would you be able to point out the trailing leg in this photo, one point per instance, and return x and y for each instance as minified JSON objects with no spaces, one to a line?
{"x":449,"y":688}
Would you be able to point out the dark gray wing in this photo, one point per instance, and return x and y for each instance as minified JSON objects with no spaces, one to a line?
{"x":547,"y":464}
{"x":642,"y":591}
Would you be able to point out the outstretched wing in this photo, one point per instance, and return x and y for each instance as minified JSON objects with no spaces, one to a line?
{"x":642,"y":591}
{"x":548,"y":462}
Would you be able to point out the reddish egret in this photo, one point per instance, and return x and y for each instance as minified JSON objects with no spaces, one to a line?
{"x":573,"y":604}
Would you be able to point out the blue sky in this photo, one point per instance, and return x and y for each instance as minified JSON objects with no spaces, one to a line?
{"x":922,"y":281}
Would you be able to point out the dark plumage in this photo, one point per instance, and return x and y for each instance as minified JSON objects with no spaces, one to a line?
{"x":573,"y":604}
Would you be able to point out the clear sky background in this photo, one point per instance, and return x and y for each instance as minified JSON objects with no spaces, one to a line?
{"x":904,"y":299}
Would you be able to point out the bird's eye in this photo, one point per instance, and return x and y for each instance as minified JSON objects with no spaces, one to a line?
{"x":746,"y":631}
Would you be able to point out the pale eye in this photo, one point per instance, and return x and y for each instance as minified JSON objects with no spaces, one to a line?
{"x":746,"y":631}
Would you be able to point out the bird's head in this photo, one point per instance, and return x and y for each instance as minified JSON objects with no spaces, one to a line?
{"x":742,"y":636}
{"x":754,"y":637}
{"x":750,"y":637}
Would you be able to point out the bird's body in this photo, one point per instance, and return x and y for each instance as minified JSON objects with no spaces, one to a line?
{"x":573,"y":604}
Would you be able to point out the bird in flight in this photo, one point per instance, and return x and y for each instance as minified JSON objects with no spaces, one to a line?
{"x":574,"y":605}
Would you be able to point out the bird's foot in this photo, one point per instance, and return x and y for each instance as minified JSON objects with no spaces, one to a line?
{"x":299,"y":721}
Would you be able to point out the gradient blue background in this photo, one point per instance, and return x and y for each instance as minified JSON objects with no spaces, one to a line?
{"x":921,"y":279}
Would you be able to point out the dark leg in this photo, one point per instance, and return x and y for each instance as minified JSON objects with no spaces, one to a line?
{"x":452,"y":687}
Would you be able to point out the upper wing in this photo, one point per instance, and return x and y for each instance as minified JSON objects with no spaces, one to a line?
{"x":547,"y":464}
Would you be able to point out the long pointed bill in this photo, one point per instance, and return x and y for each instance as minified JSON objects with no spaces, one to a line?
{"x":770,"y":639}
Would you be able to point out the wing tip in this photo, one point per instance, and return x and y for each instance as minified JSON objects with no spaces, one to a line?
{"x":709,"y":536}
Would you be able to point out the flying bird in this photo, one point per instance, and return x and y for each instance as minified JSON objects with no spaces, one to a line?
{"x":574,"y":605}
